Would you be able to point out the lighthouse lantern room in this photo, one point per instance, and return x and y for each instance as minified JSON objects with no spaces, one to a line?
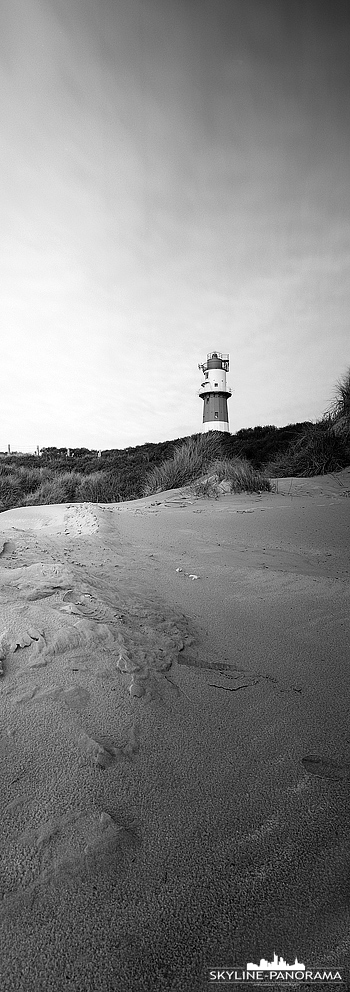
{"x":215,"y":392}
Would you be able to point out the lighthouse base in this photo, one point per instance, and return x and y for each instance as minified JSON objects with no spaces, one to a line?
{"x":215,"y":425}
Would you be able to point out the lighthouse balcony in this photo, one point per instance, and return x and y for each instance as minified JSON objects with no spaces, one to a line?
{"x":207,"y":388}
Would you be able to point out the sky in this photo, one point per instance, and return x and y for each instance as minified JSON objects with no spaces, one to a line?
{"x":174,"y":179}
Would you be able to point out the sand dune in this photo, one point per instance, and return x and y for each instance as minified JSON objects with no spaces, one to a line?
{"x":175,"y":761}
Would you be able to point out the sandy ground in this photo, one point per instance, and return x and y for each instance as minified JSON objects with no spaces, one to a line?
{"x":175,"y":758}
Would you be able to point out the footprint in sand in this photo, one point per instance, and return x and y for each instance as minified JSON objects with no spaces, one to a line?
{"x":326,"y":768}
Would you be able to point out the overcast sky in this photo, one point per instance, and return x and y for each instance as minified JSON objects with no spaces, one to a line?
{"x":174,"y":178}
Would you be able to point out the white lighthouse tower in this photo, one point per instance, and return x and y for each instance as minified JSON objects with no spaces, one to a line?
{"x":214,"y":392}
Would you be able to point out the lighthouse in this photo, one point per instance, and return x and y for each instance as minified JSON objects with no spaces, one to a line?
{"x":215,"y":392}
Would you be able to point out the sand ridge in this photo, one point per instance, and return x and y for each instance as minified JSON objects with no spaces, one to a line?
{"x":61,"y":518}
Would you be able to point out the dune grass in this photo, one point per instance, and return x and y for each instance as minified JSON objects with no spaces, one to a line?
{"x":324,"y":446}
{"x":199,"y":463}
{"x":75,"y":487}
{"x":188,"y":462}
{"x":240,"y":475}
{"x":36,"y":487}
{"x":339,"y":413}
{"x":16,"y":484}
{"x":318,"y":451}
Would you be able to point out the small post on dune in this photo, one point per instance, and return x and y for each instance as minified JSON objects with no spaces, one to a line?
{"x":214,"y":392}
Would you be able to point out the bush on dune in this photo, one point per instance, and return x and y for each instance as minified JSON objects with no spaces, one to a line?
{"x":55,"y":488}
{"x":74,"y":487}
{"x":15,"y":484}
{"x":317,"y":452}
{"x":20,"y":486}
{"x":99,"y":487}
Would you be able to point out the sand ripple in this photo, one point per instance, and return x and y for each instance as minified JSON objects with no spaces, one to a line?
{"x":48,"y":610}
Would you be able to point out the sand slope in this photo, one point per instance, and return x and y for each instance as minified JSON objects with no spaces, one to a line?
{"x":175,"y":762}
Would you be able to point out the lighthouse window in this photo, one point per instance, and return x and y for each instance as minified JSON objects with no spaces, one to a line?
{"x":216,"y":383}
{"x":207,"y":399}
{"x":216,"y":416}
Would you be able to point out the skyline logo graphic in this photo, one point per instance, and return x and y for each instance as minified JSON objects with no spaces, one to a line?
{"x":276,"y":972}
{"x":278,"y":964}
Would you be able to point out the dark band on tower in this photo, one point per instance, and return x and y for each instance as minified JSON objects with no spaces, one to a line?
{"x":215,"y":392}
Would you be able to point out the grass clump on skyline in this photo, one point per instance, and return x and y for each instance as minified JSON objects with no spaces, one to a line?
{"x":340,"y":410}
{"x":318,"y":451}
{"x":322,"y":447}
